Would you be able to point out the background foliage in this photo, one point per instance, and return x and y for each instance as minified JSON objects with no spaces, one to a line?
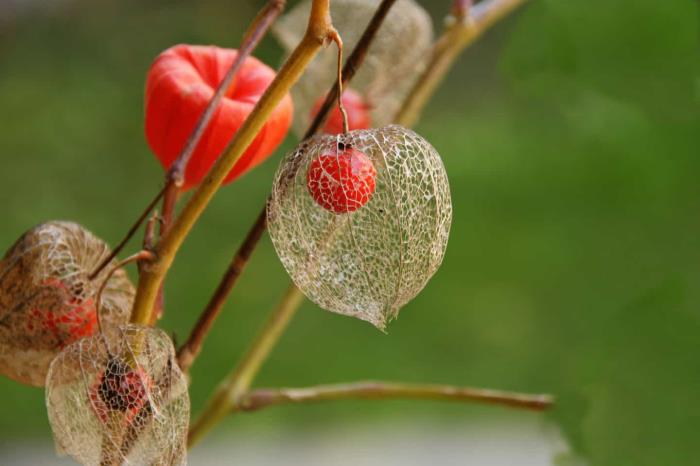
{"x":570,"y":134}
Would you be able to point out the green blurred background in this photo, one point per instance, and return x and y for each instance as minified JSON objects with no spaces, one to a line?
{"x":571,"y":137}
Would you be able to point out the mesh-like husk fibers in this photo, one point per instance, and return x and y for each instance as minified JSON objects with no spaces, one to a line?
{"x":47,"y":300}
{"x":393,"y":62}
{"x":126,"y":405}
{"x":368,"y":263}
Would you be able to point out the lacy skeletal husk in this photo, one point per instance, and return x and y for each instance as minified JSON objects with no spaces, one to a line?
{"x":370,"y":262}
{"x":120,"y":400}
{"x":47,"y":300}
{"x":394,"y":60}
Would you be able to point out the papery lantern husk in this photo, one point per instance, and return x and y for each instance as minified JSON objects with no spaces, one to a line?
{"x":47,"y":300}
{"x":394,"y":60}
{"x":98,"y":425}
{"x":367,"y":263}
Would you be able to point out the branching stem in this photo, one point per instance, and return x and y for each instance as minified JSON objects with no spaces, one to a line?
{"x":151,"y":205}
{"x":371,"y":390}
{"x":191,"y":348}
{"x":153,"y":274}
{"x":176,"y":174}
{"x":467,"y":26}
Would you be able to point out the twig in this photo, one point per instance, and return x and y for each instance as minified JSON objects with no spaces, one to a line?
{"x":149,"y":235}
{"x":371,"y":390}
{"x":465,"y":25}
{"x":139,"y":256}
{"x":170,"y":197}
{"x":189,"y":351}
{"x":151,"y":205}
{"x":236,"y":385}
{"x":153,"y":274}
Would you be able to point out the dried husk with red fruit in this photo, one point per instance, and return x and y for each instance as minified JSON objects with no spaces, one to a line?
{"x":361,"y":220}
{"x":119,"y":400}
{"x":47,"y":300}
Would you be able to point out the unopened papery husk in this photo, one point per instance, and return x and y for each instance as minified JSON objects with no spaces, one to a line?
{"x":368,"y":263}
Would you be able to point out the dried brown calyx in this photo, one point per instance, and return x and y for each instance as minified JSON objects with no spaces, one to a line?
{"x":47,"y":300}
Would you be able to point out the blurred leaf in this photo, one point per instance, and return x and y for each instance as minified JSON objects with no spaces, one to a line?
{"x":637,"y":406}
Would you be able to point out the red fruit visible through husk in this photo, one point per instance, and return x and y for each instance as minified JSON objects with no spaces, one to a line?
{"x":119,"y":399}
{"x":119,"y":389}
{"x":342,"y":182}
{"x":74,"y":320}
{"x":48,"y":301}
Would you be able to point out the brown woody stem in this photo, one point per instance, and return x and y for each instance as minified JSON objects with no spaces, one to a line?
{"x":149,"y":235}
{"x":371,"y":390}
{"x":191,"y":348}
{"x":153,"y":273}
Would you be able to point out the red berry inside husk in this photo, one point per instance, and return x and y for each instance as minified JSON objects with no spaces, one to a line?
{"x":75,"y":318}
{"x":355,"y":106}
{"x":180,"y":84}
{"x":341,"y":182}
{"x":119,"y":389}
